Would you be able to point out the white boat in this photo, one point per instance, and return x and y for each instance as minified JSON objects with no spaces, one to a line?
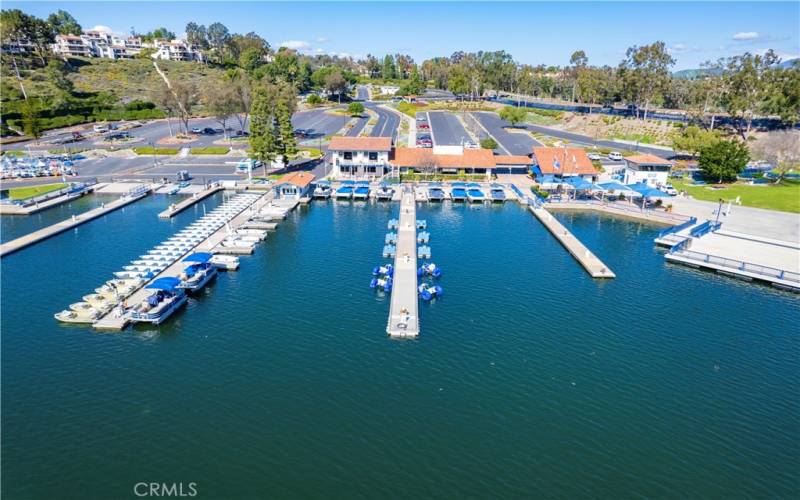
{"x":237,"y":242}
{"x":198,"y":273}
{"x":67,"y":316}
{"x":130,"y":274}
{"x":323,"y":191}
{"x":258,"y":233}
{"x":157,"y":307}
{"x":225,"y":262}
{"x":85,"y":308}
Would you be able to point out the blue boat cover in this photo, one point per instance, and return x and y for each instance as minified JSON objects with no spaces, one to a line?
{"x":473,"y":185}
{"x":475,"y":192}
{"x":199,"y":257}
{"x":362,"y":190}
{"x":168,"y":283}
{"x":348,"y":183}
{"x":459,"y":184}
{"x":459,"y":192}
{"x":345,"y":189}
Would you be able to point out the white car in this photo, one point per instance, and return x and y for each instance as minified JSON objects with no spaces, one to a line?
{"x":669,"y":189}
{"x":615,"y":155}
{"x":101,"y":129}
{"x":594,"y":156}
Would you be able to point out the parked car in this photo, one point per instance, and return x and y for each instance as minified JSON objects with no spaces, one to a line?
{"x":183,"y":175}
{"x":615,"y":155}
{"x":669,"y":189}
{"x":424,"y":126}
{"x":594,"y":156}
{"x":196,"y":130}
{"x":240,"y":133}
{"x":210,"y":131}
{"x":101,"y":129}
{"x":470,"y":145}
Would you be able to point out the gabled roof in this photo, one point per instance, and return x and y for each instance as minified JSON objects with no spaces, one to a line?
{"x":299,"y":179}
{"x":563,"y":161}
{"x":340,"y":143}
{"x":415,"y":157}
{"x":647,"y":159}
{"x":512,"y":160}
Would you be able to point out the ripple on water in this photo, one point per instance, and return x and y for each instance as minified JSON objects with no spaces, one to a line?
{"x":528,"y":377}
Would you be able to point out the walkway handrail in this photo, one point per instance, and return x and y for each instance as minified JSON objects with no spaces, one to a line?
{"x":740,"y":265}
{"x":680,"y":227}
{"x":705,"y":228}
{"x":535,"y":201}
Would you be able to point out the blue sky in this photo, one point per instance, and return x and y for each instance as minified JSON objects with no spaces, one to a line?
{"x":533,"y":33}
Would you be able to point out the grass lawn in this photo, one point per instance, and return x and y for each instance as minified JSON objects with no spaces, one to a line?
{"x":210,"y":150}
{"x":23,"y":193}
{"x":784,"y":196}
{"x":147,"y":150}
{"x":12,"y":152}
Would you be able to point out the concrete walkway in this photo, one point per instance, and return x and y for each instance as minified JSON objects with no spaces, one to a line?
{"x":177,"y":208}
{"x":586,"y":258}
{"x":404,"y":312}
{"x":59,"y":227}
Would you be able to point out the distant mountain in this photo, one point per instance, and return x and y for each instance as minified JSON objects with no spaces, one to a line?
{"x":691,"y":74}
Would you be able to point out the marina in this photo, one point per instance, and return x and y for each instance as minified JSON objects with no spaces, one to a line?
{"x":74,"y":221}
{"x":177,"y":208}
{"x":403,"y":319}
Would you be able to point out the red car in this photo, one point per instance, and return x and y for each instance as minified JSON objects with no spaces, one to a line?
{"x":423,"y":126}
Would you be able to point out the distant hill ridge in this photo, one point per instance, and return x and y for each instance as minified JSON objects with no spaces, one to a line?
{"x":691,"y":74}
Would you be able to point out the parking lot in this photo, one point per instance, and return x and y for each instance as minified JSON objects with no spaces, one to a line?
{"x":446,"y":129}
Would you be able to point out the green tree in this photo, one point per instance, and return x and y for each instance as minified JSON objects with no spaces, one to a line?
{"x":64,"y":24}
{"x":250,"y":59}
{"x":263,"y":130}
{"x":314,"y":99}
{"x":336,"y":84}
{"x":513,"y":115}
{"x":31,"y":119}
{"x":747,"y":85}
{"x":288,"y":142}
{"x":723,"y":160}
{"x":388,"y":70}
{"x":693,"y":139}
{"x":488,"y":143}
{"x":221,"y":101}
{"x":197,"y":35}
{"x":56,"y":72}
{"x":355,"y":109}
{"x":645,"y":72}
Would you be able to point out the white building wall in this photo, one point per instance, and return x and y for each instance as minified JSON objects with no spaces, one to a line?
{"x":653,"y":179}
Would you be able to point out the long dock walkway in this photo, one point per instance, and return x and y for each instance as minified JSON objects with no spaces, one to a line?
{"x":76,"y":220}
{"x":11,"y":209}
{"x":404,"y":311}
{"x":583,"y":255}
{"x":177,"y":208}
{"x":112,"y":321}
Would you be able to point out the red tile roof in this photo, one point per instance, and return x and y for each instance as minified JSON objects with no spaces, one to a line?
{"x":340,"y":143}
{"x":570,"y":161}
{"x":512,"y":160}
{"x":299,"y":179}
{"x":647,"y":159}
{"x":415,"y":157}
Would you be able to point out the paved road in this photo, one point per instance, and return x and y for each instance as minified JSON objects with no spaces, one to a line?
{"x":319,"y":123}
{"x":358,"y":126}
{"x":583,"y":140}
{"x":511,"y":143}
{"x":447,"y":129}
{"x":362,"y":93}
{"x":387,"y":124}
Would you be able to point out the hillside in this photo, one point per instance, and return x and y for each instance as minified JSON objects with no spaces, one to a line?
{"x":102,"y":88}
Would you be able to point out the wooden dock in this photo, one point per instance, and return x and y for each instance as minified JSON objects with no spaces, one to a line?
{"x":404,"y":311}
{"x":112,"y":322}
{"x":583,"y":255}
{"x":177,"y":208}
{"x":59,"y":227}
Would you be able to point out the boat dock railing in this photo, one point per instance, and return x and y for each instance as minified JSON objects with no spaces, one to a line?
{"x":704,"y":228}
{"x":73,"y":188}
{"x":533,"y":201}
{"x":766,"y":272}
{"x":678,"y":228}
{"x":138,"y":191}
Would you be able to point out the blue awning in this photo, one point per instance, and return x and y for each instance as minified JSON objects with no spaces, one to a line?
{"x":647,"y":191}
{"x":473,"y":185}
{"x":348,"y":183}
{"x":199,"y":257}
{"x":459,"y":184}
{"x":168,"y":284}
{"x":580,"y":183}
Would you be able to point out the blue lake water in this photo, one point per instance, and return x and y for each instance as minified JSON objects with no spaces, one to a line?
{"x":529,"y":378}
{"x":12,"y":227}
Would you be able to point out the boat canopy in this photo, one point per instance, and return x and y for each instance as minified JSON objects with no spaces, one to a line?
{"x":473,"y":185}
{"x":362,"y":183}
{"x":167,"y":284}
{"x":647,"y":191}
{"x":580,"y":183}
{"x":459,"y":184}
{"x":199,"y":257}
{"x":348,"y":183}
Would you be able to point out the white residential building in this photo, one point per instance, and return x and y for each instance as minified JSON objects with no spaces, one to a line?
{"x":360,"y":157}
{"x":647,"y":168}
{"x":176,"y":50}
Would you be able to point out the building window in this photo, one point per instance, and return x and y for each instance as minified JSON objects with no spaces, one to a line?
{"x":344,"y":169}
{"x":348,"y":155}
{"x":373,"y":157}
{"x":371,"y":169}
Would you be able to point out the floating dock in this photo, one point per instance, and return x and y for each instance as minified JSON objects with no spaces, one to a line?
{"x":404,"y":311}
{"x":13,"y":209}
{"x":112,"y":322}
{"x":583,"y":255}
{"x":76,"y":220}
{"x":177,"y":208}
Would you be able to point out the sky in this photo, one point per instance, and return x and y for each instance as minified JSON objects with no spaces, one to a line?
{"x":534,"y":33}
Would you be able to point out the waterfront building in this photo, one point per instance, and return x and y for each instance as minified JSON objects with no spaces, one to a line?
{"x":647,"y":168}
{"x":360,"y":157}
{"x":559,"y":163}
{"x":293,"y":186}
